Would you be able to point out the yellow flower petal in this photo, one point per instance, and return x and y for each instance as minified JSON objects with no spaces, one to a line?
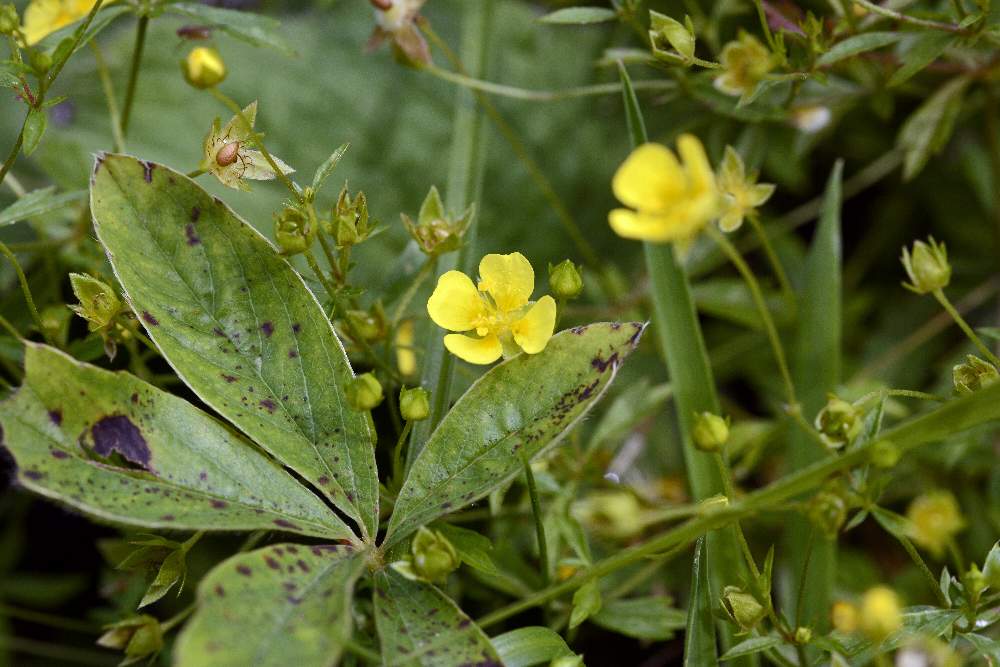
{"x":701,"y":178}
{"x":455,"y":304}
{"x":509,"y":279}
{"x":484,"y":350}
{"x":649,"y":178}
{"x":533,"y":331}
{"x":671,"y":226}
{"x":760,"y":193}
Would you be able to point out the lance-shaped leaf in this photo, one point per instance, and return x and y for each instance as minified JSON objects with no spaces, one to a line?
{"x":282,"y":605}
{"x":121,"y":450}
{"x":238,"y":325}
{"x":419,"y":626}
{"x":529,"y":401}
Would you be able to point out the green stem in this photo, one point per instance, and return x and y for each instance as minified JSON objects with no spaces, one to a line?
{"x":109,"y":96}
{"x":918,"y":560}
{"x":25,"y":289}
{"x":397,"y":453}
{"x":765,"y":315}
{"x":912,"y":20}
{"x":60,"y":655}
{"x":362,"y":652}
{"x":133,"y":75}
{"x":772,"y":258}
{"x":178,"y":618}
{"x":762,"y":16}
{"x":536,"y":510}
{"x":11,"y":329}
{"x":41,"y":618}
{"x":964,"y":326}
{"x":331,"y":258}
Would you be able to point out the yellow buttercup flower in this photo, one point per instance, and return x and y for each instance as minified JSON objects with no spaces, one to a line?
{"x":497,"y":319}
{"x":934,"y":519}
{"x":741,"y":193}
{"x":881,"y":614}
{"x":668,"y":200}
{"x":44,"y":17}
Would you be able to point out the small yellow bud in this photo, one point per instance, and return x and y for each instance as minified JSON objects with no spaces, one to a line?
{"x":844,"y":617}
{"x":880,"y":613}
{"x":204,"y":67}
{"x":926,"y":266}
{"x":364,"y":392}
{"x":742,"y":607}
{"x":934,"y":519}
{"x":710,"y":431}
{"x":99,"y":303}
{"x":414,"y":404}
{"x":803,"y":635}
{"x":565,"y":280}
{"x":973,"y":375}
{"x":567,"y":661}
{"x":565,"y":571}
{"x":838,"y":422}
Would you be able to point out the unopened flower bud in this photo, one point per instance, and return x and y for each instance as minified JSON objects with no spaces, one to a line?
{"x":434,"y":230}
{"x":433,"y":556}
{"x":8,"y":19}
{"x":368,"y":324}
{"x":293,"y":231}
{"x":974,"y":582}
{"x":828,"y":511}
{"x":139,"y":637}
{"x":710,"y":432}
{"x":414,"y":404}
{"x":838,"y":422}
{"x":349,"y":219}
{"x":617,"y":514}
{"x":565,"y":281}
{"x":880,"y":613}
{"x":926,"y":266}
{"x":884,"y":454}
{"x":803,"y":635}
{"x":742,"y":607}
{"x":99,"y":303}
{"x":973,"y":375}
{"x":934,"y":519}
{"x":991,"y":568}
{"x":41,"y":61}
{"x":364,"y":392}
{"x":204,"y":67}
{"x":665,"y":30}
{"x":844,"y":617}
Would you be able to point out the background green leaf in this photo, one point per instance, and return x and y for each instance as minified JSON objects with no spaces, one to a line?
{"x":928,"y":129}
{"x":699,"y":638}
{"x":38,"y":202}
{"x":852,"y":46}
{"x":247,"y":26}
{"x":579,"y":16}
{"x":652,"y":618}
{"x":533,"y":645}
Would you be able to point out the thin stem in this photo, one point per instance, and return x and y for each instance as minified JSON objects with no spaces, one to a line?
{"x":918,"y":560}
{"x":362,"y":652}
{"x":331,"y":258}
{"x":912,"y":20}
{"x":397,"y":453}
{"x":536,"y":510}
{"x":258,"y":142}
{"x":55,"y":652}
{"x":109,"y":96}
{"x":133,"y":75}
{"x":41,"y":618}
{"x":762,"y":15}
{"x":772,"y":257}
{"x":25,"y":289}
{"x":964,"y":326}
{"x":772,"y":333}
{"x":11,"y":329}
{"x":178,"y":618}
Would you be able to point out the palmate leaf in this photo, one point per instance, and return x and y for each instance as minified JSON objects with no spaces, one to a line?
{"x":529,"y":401}
{"x":419,"y":626}
{"x":282,"y":605}
{"x":238,"y":325}
{"x":121,"y":450}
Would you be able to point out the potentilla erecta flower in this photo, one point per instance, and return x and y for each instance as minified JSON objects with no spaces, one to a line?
{"x":44,"y":17}
{"x":741,"y":193}
{"x":230,"y":154}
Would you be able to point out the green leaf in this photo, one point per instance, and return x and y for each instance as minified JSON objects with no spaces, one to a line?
{"x":699,"y":637}
{"x":38,"y":202}
{"x":579,"y":16}
{"x":650,"y":618}
{"x":238,"y":324}
{"x":928,"y":129}
{"x":729,"y":299}
{"x":251,"y":28}
{"x":282,"y":605}
{"x":989,"y":332}
{"x":529,"y":401}
{"x":534,"y":645}
{"x":634,"y":403}
{"x":852,"y":46}
{"x":123,"y":451}
{"x":325,"y":169}
{"x":418,"y":625}
{"x":987,"y":647}
{"x":586,"y":603}
{"x":9,"y":76}
{"x":816,"y":370}
{"x":172,"y":571}
{"x":751,"y":646}
{"x":34,"y":127}
{"x":894,"y":524}
{"x":473,"y":549}
{"x":925,"y":49}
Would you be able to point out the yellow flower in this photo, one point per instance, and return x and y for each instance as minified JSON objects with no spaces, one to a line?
{"x":498,"y":317}
{"x":671,"y":201}
{"x":204,"y":67}
{"x":44,"y":17}
{"x":934,"y":518}
{"x":844,"y":616}
{"x":880,"y":613}
{"x":229,"y":154}
{"x":744,"y":63}
{"x":741,"y":193}
{"x":406,"y":358}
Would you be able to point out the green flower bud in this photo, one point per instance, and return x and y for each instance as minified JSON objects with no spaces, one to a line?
{"x":803,"y":635}
{"x":41,"y":61}
{"x":204,"y":67}
{"x":294,"y":231}
{"x":973,"y":375}
{"x":370,"y":325}
{"x":99,"y":303}
{"x":974,"y":582}
{"x":991,"y":568}
{"x":838,"y":422}
{"x":926,"y":266}
{"x":349,"y":223}
{"x":139,"y":636}
{"x":414,"y":404}
{"x":432,"y":556}
{"x":435,"y":231}
{"x":565,"y":280}
{"x":9,"y":22}
{"x":884,"y":454}
{"x":665,"y":30}
{"x":710,"y":431}
{"x":828,"y":511}
{"x":614,"y":513}
{"x":742,"y":607}
{"x":364,"y":392}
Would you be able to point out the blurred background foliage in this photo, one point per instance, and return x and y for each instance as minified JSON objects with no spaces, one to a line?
{"x":399,"y":124}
